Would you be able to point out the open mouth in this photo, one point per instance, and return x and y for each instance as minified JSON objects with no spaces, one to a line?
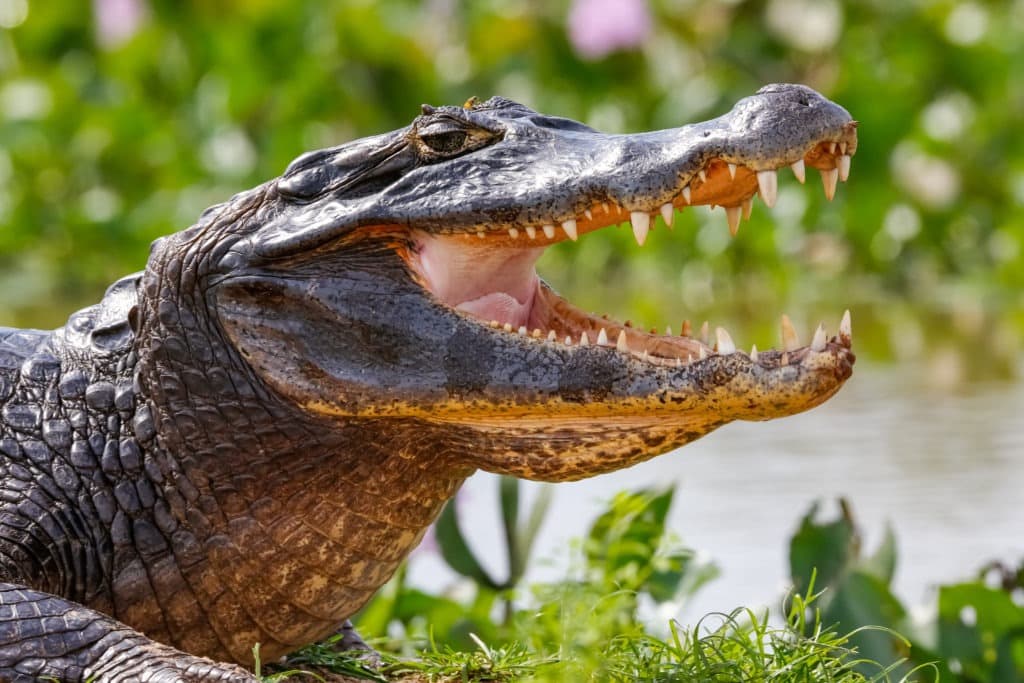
{"x":488,"y":274}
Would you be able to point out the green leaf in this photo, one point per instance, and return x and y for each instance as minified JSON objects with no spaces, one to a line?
{"x":624,"y":539}
{"x":830,"y":548}
{"x":862,"y":599}
{"x":882,"y":564}
{"x":981,"y":627}
{"x":696,"y":575}
{"x":527,"y":535}
{"x":1009,"y":664}
{"x":456,"y":551}
{"x":508,"y":497}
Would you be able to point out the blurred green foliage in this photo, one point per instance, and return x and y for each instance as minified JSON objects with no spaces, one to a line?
{"x":974,"y":634}
{"x":109,"y":140}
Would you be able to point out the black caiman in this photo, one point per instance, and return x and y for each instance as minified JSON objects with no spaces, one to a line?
{"x":241,"y":443}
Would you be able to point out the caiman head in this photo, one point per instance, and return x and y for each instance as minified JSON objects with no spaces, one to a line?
{"x":392,"y":278}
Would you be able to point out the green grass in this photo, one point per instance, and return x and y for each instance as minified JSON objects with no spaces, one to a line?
{"x":721,"y":648}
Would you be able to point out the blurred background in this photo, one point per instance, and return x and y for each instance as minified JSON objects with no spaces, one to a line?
{"x":121,"y":120}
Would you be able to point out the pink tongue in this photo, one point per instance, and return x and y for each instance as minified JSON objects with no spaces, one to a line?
{"x":489,"y":282}
{"x":498,"y":306}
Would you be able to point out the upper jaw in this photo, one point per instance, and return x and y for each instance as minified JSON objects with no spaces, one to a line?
{"x":486,"y":270}
{"x":545,"y":185}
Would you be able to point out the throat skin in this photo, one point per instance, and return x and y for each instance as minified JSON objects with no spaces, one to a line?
{"x":280,"y":532}
{"x":288,"y":558}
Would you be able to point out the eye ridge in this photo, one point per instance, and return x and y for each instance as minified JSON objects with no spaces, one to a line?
{"x":445,"y":141}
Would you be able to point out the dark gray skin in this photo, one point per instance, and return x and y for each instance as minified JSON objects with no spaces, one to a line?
{"x":240,"y":444}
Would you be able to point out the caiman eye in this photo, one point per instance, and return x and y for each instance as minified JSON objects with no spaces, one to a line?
{"x":438,"y":135}
{"x":445,"y":142}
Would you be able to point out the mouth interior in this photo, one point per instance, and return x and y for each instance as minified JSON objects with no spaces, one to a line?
{"x":488,"y":282}
{"x":488,"y":273}
{"x":498,"y":285}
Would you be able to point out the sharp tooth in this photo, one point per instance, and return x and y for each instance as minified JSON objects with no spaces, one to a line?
{"x":732,"y":171}
{"x":831,"y":148}
{"x":748,"y":207}
{"x":842,"y":148}
{"x":549,"y":231}
{"x":828,"y":180}
{"x":799,"y":170}
{"x":686,"y":194}
{"x":732,"y":215}
{"x":495,"y":324}
{"x":621,"y":344}
{"x":689,"y":358}
{"x":724,"y":343}
{"x":586,"y":212}
{"x":531,"y":232}
{"x":668,"y":212}
{"x":702,"y":175}
{"x":845,"y":329}
{"x":569,"y":226}
{"x":644,"y":355}
{"x":790,"y":340}
{"x":602,"y":338}
{"x":768,"y":186}
{"x":704,"y":332}
{"x":604,"y":205}
{"x":551,"y":336}
{"x":641,"y":225}
{"x":818,"y":342}
{"x":753,"y":353}
{"x":584,"y":340}
{"x":568,"y":340}
{"x":668,"y":330}
{"x":536,"y":333}
{"x":513,"y":233}
{"x":702,"y":354}
{"x":844,"y":167}
{"x":522,"y":330}
{"x":784,"y":360}
{"x":679,"y":362}
{"x":685,"y":331}
{"x":507,"y":327}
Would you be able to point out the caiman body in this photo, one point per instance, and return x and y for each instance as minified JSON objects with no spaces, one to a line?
{"x":240,"y":444}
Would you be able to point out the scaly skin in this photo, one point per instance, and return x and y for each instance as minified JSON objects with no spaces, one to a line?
{"x":240,"y":444}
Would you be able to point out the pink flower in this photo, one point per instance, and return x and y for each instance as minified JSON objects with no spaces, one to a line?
{"x":599,"y":27}
{"x":118,"y":20}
